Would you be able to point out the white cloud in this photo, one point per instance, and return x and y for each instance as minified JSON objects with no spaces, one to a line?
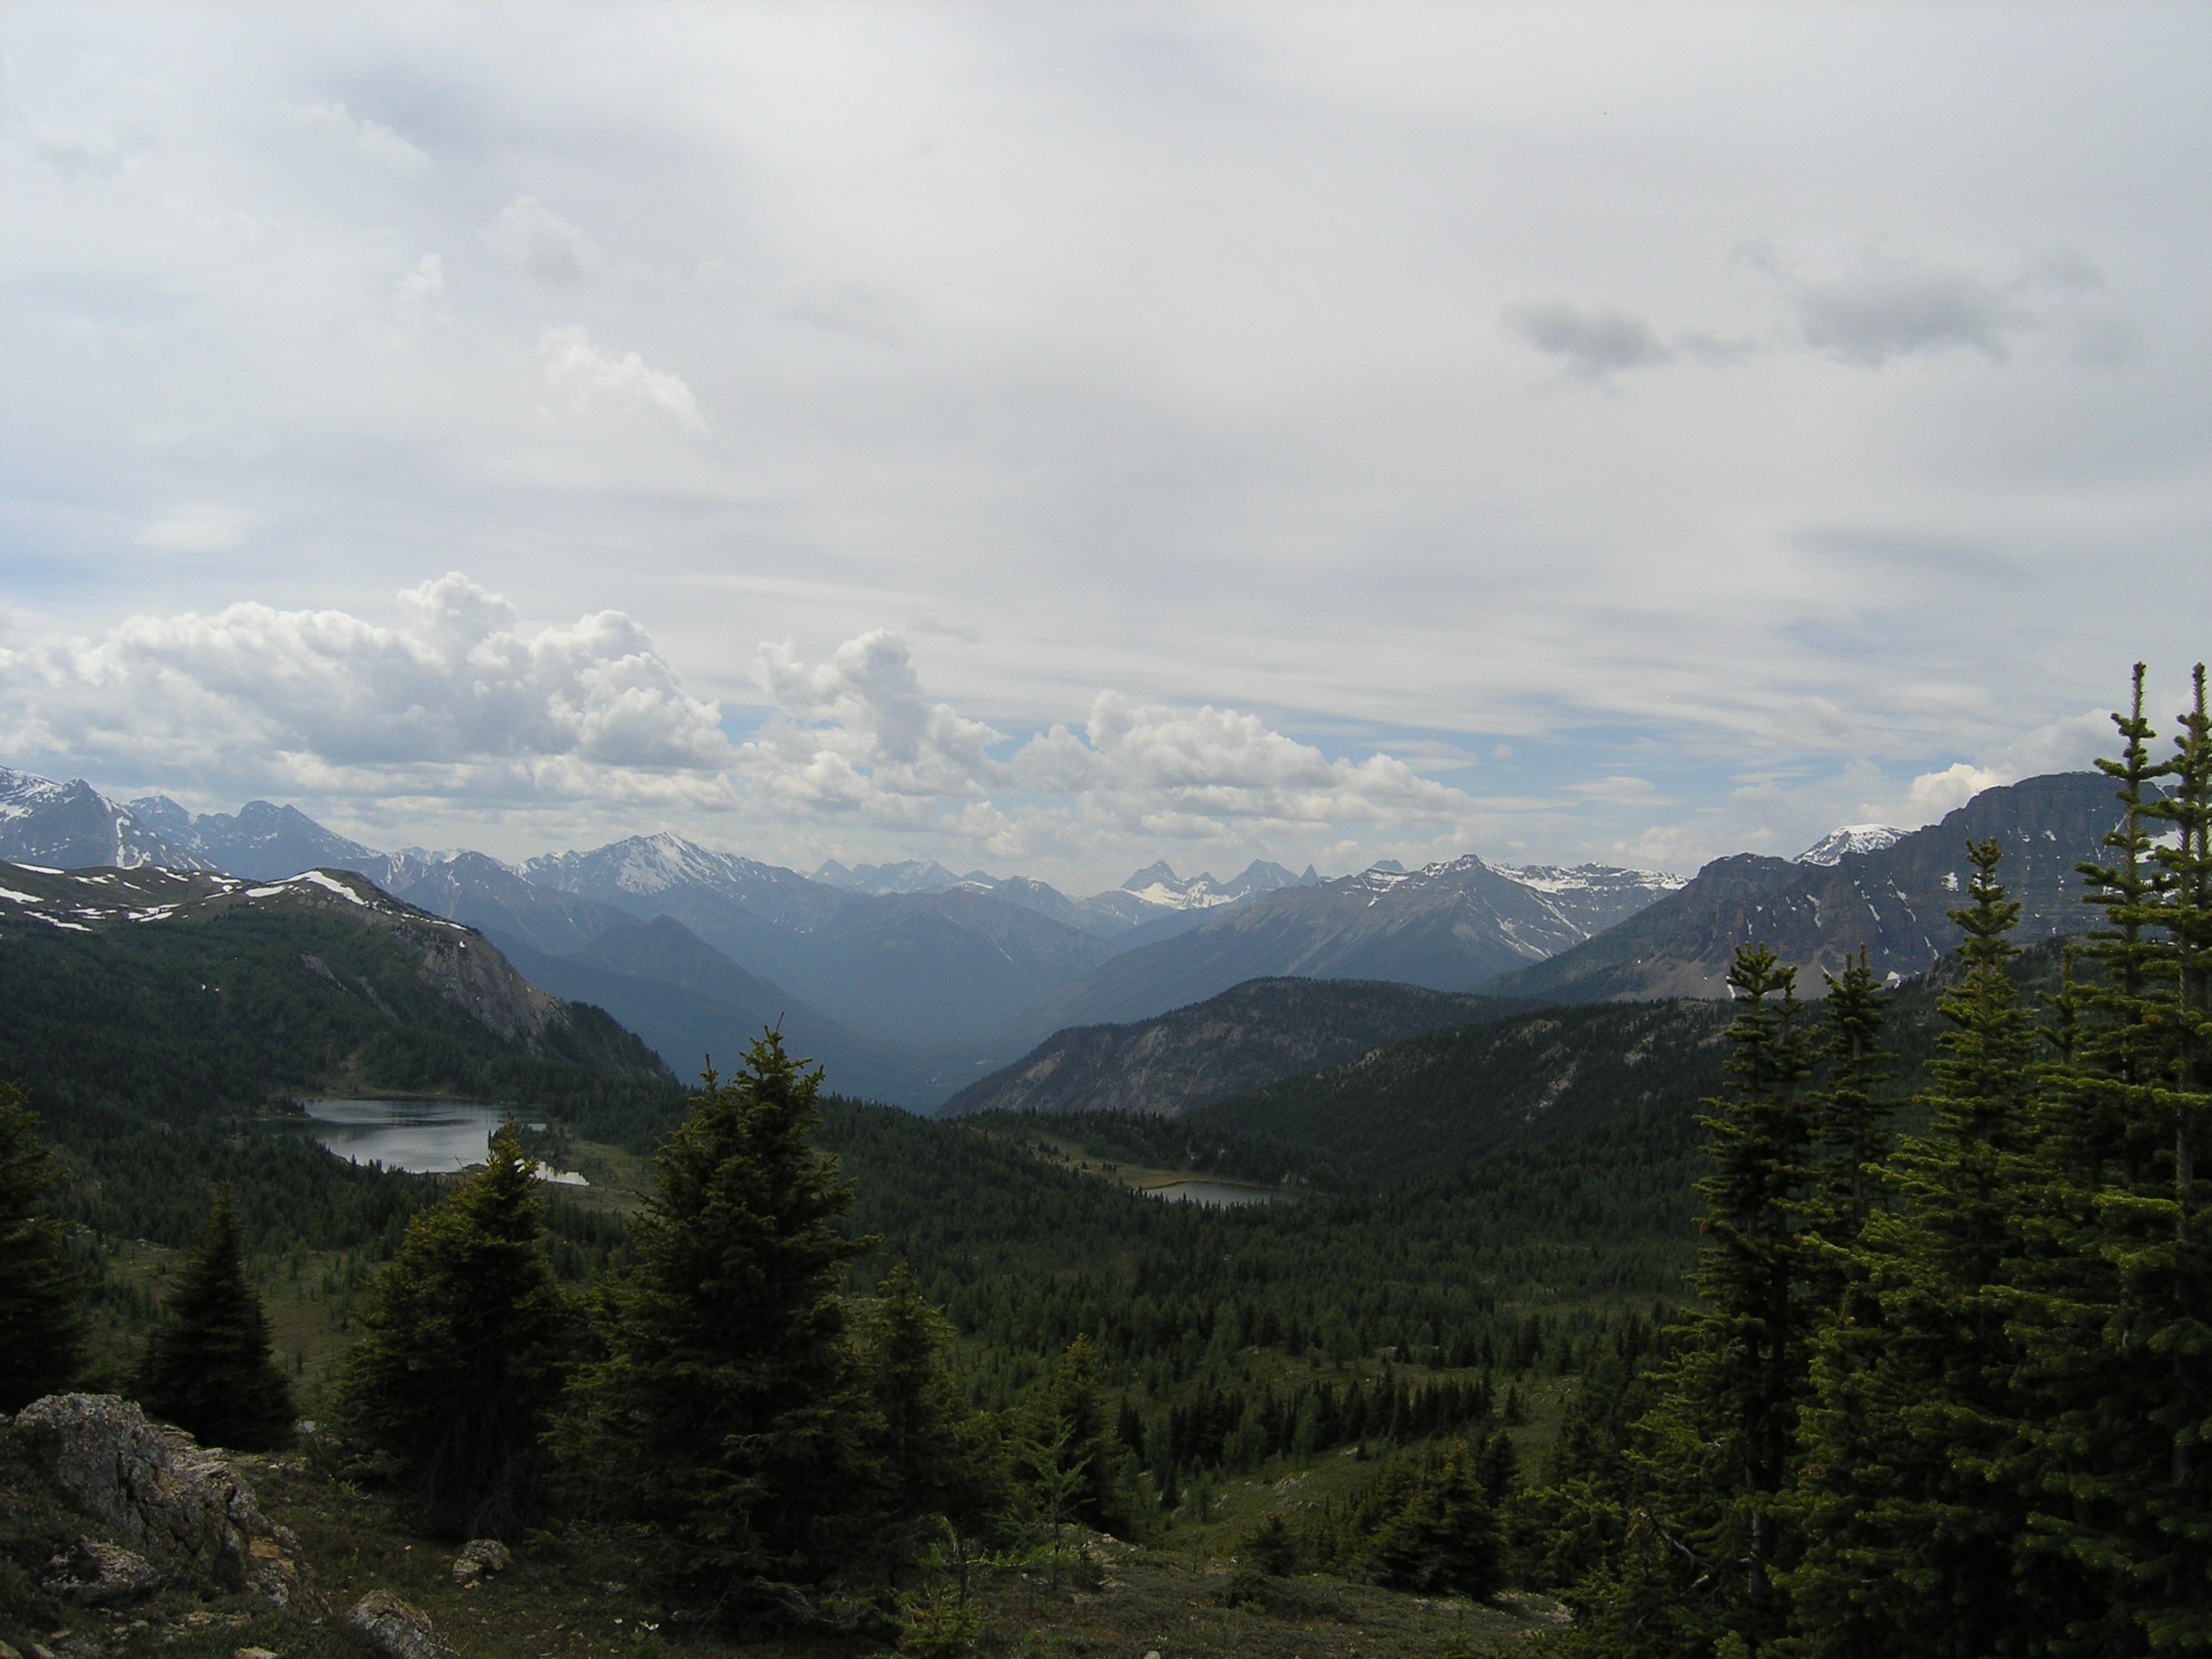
{"x":1933,"y":793}
{"x":453,"y":700}
{"x":585,"y":375}
{"x":545,"y":245}
{"x":855,"y":733}
{"x":92,"y":155}
{"x":423,"y":286}
{"x":196,"y":527}
{"x":372,"y":139}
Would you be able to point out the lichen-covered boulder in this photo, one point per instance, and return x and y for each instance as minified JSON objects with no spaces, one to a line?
{"x":400,"y":1629}
{"x":164,"y":1496}
{"x":98,"y":1574}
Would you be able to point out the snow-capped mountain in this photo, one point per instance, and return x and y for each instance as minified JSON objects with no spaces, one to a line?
{"x":1839,"y":844}
{"x":72,"y":826}
{"x":1448,"y":926}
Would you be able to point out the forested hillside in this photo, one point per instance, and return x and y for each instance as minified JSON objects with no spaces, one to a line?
{"x":1250,"y":1035}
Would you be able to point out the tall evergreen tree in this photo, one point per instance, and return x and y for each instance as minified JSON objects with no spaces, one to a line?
{"x":468,"y":1336}
{"x":1850,"y":1123}
{"x":41,"y":1326}
{"x":719,"y":1409}
{"x":207,"y":1367}
{"x":1909,"y":1503}
{"x":2118,"y":1371}
{"x":1713,"y":1456}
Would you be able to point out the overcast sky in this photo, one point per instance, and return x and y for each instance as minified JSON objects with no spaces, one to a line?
{"x":1054,"y":437}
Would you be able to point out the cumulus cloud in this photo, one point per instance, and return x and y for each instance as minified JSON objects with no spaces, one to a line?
{"x":858,"y":734}
{"x":371,"y":139}
{"x":1933,"y":793}
{"x":584,"y":375}
{"x":455,"y":699}
{"x":543,"y":243}
{"x":1184,"y":772}
{"x":855,"y":733}
{"x":1591,"y":341}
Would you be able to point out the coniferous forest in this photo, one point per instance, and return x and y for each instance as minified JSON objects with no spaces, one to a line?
{"x":1880,"y":1324}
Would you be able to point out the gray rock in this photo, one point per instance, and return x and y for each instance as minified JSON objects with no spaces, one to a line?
{"x":401,"y":1630}
{"x":98,"y":1574}
{"x":163,"y":1494}
{"x":479,"y":1559}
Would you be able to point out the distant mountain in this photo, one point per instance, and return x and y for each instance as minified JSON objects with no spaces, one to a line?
{"x":72,"y":826}
{"x":1251,"y":1035}
{"x":480,"y":891}
{"x":927,"y":970}
{"x":688,"y":1002}
{"x":1892,"y":901}
{"x":1448,"y":926}
{"x":1838,"y":844}
{"x":262,"y":842}
{"x":908,"y":875}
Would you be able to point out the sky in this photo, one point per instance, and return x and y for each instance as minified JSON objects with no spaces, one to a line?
{"x":1051,"y":438}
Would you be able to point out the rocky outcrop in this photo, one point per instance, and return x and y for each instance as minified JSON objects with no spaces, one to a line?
{"x":176,"y":1505}
{"x":400,"y":1629}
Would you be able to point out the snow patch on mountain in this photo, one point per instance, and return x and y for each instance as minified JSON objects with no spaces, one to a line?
{"x":1850,"y":839}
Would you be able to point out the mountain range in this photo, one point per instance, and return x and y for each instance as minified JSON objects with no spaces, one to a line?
{"x":912,"y":984}
{"x":907,"y":981}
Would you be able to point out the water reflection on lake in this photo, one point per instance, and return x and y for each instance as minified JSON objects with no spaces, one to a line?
{"x":1214,"y":1195}
{"x":423,"y":1137}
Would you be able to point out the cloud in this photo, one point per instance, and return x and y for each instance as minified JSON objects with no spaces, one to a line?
{"x":91,"y":155}
{"x":856,"y":733}
{"x":545,"y":245}
{"x":1592,"y":342}
{"x":372,"y":139}
{"x":1884,"y":306}
{"x":585,"y":375}
{"x":197,"y":527}
{"x":1183,"y":772}
{"x":1933,"y":793}
{"x":423,"y":286}
{"x":455,"y":699}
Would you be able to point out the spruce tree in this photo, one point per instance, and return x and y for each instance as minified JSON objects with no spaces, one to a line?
{"x":1713,"y":1459}
{"x":1849,"y":1122}
{"x":468,"y":1336}
{"x":720,"y":1410}
{"x":207,"y":1367}
{"x":41,"y":1326}
{"x":1744,"y":1375}
{"x":1446,"y":1540}
{"x":2118,"y":1368}
{"x":1908,"y":1449}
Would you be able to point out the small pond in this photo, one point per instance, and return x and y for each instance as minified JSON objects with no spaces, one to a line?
{"x":1215,"y":1195}
{"x":423,"y":1137}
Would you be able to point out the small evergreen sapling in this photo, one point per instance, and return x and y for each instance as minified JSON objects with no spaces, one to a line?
{"x":207,"y":1367}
